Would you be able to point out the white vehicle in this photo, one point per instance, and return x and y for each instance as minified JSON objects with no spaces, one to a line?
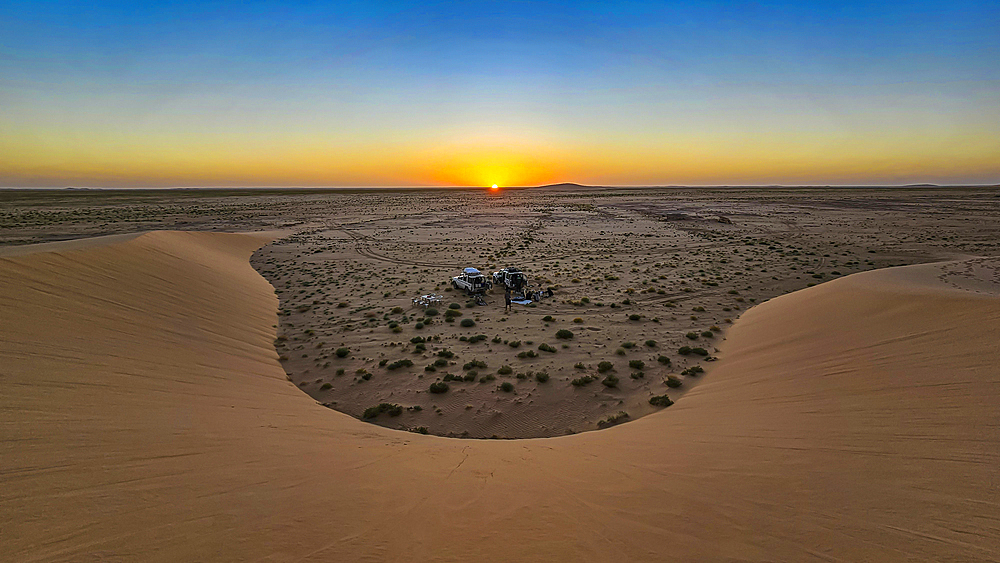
{"x":511,"y":278}
{"x":472,"y":281}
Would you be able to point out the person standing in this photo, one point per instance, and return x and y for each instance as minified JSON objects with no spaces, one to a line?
{"x":506,"y":299}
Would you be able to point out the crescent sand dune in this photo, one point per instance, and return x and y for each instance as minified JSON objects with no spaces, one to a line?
{"x":145,"y":416}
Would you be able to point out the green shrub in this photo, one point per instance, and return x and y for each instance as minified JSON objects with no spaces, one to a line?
{"x":699,"y":351}
{"x":454,"y":306}
{"x":708,"y":334}
{"x":636,"y":364}
{"x":439,"y":387}
{"x":506,"y":387}
{"x":342,"y":352}
{"x":581,"y":381}
{"x":527,"y":354}
{"x":693,"y":371}
{"x":440,"y":362}
{"x":663,"y":360}
{"x":620,"y":351}
{"x":628,"y":345}
{"x":505,"y":370}
{"x":446,"y":354}
{"x":673,"y":382}
{"x":467,"y":323}
{"x":418,"y":326}
{"x":634,"y":317}
{"x":468,"y":377}
{"x":400,"y":364}
{"x":651,"y":343}
{"x":692,"y":335}
{"x":613,"y":419}
{"x":541,"y":377}
{"x":392,"y":409}
{"x":548,"y":318}
{"x":430,"y":367}
{"x":579,"y":365}
{"x":546,"y":348}
{"x":514,"y":343}
{"x":432,"y":312}
{"x":474,"y":364}
{"x":610,"y":380}
{"x":660,"y":401}
{"x":396,"y":310}
{"x":326,"y":386}
{"x":637,"y":374}
{"x":605,"y":366}
{"x":684,"y":350}
{"x":564,"y":334}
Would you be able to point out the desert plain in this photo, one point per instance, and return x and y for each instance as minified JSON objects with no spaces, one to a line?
{"x":243,"y":375}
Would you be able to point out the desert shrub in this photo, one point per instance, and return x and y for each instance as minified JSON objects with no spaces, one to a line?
{"x":651,"y":343}
{"x":564,"y":334}
{"x":637,"y":374}
{"x":467,"y":323}
{"x":620,"y":351}
{"x":610,"y":380}
{"x":446,"y":354}
{"x":440,"y":362}
{"x":400,"y":364}
{"x":514,"y":343}
{"x":714,"y":328}
{"x":396,"y":310}
{"x":548,"y":318}
{"x":692,"y":335}
{"x":340,"y":371}
{"x":468,"y":377}
{"x":506,"y":386}
{"x":341,"y":305}
{"x":454,"y":306}
{"x":392,"y":409}
{"x":581,"y":381}
{"x":474,"y":364}
{"x":430,"y":367}
{"x":497,"y":340}
{"x":477,"y":338}
{"x":417,"y":340}
{"x":660,"y":401}
{"x":699,"y":309}
{"x":707,"y":334}
{"x":342,"y":352}
{"x":546,"y":348}
{"x":421,"y":430}
{"x":578,"y":320}
{"x":699,"y":351}
{"x":613,"y":419}
{"x":605,"y":367}
{"x":450,"y":314}
{"x":693,"y":371}
{"x":634,"y":317}
{"x":505,"y":370}
{"x":326,"y":386}
{"x":636,"y":364}
{"x":431,"y":312}
{"x":438,"y":387}
{"x":673,"y":382}
{"x":522,"y":375}
{"x":527,"y":354}
{"x":684,"y":350}
{"x":541,"y":377}
{"x":418,"y":326}
{"x":628,"y":345}
{"x":663,"y":360}
{"x":579,"y":365}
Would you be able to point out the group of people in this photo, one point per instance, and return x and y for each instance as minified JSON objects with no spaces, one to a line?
{"x":533,"y":295}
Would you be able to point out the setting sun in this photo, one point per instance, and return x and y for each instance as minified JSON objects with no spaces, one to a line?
{"x":494,"y":187}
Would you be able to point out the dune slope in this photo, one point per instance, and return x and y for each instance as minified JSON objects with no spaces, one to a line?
{"x":144,"y":416}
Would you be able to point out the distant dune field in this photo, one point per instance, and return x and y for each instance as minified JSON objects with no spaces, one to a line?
{"x":145,"y":416}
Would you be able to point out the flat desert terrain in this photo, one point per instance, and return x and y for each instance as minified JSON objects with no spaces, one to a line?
{"x":211,"y":375}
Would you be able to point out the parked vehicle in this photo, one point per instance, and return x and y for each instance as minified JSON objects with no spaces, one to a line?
{"x":511,"y":278}
{"x":472,"y":281}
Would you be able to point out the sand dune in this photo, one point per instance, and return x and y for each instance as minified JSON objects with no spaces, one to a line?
{"x":145,"y":417}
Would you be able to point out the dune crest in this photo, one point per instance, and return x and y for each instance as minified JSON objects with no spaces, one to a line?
{"x":145,"y":417}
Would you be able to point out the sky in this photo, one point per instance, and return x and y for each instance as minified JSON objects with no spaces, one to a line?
{"x":145,"y":94}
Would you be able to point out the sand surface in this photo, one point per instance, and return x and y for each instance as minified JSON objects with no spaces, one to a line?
{"x":145,"y":416}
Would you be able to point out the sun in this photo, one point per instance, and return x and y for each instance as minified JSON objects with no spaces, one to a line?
{"x":495,"y":187}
